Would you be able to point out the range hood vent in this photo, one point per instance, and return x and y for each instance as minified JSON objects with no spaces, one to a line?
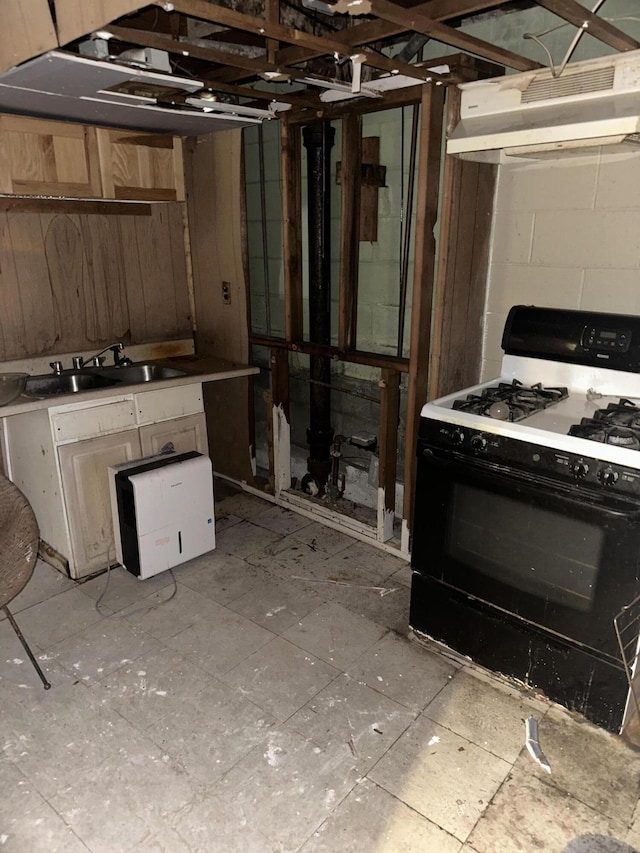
{"x":593,"y":105}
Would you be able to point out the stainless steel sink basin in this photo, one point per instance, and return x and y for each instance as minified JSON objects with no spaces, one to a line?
{"x":69,"y":382}
{"x":143,"y":372}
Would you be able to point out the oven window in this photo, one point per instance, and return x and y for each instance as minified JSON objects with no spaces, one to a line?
{"x":525,"y":546}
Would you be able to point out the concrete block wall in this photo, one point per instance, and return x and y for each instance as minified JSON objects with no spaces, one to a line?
{"x":566,"y":234}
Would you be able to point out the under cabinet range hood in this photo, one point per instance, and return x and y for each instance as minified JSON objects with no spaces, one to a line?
{"x":592,"y":105}
{"x":64,"y":85}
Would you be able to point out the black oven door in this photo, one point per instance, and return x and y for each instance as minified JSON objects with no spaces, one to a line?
{"x":562,"y":558}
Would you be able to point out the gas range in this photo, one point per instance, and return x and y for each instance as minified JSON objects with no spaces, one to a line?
{"x":566,"y":410}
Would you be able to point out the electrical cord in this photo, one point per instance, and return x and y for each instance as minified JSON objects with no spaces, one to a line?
{"x":144,"y":609}
{"x":557,"y":71}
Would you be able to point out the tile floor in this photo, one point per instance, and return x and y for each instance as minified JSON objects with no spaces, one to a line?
{"x":263,"y":710}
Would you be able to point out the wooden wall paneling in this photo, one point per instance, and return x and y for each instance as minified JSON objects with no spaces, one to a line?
{"x":105,"y":293}
{"x":180,"y":265}
{"x":430,"y":141}
{"x":64,"y":253}
{"x":36,"y":295}
{"x":350,"y":182}
{"x":214,"y":184}
{"x":465,"y":225}
{"x":27,"y":30}
{"x":291,"y":146}
{"x":132,"y":273}
{"x":11,"y":316}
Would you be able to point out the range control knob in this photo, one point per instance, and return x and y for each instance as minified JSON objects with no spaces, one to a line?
{"x":478,"y":442}
{"x":607,"y":476}
{"x":458,"y":437}
{"x":580,"y":470}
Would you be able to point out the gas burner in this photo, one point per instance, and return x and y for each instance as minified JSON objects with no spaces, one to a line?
{"x":510,"y":401}
{"x":623,"y":413}
{"x":605,"y":433}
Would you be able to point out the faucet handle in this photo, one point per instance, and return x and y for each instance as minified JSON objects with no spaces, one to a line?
{"x":56,"y":366}
{"x":77,"y":362}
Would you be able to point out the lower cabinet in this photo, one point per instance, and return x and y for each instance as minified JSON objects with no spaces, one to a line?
{"x":59,"y":458}
{"x":85,"y":485}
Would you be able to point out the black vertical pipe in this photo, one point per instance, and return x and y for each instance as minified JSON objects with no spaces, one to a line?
{"x":318,"y":139}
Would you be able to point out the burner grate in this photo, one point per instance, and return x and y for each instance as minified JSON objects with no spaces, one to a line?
{"x":618,"y":424}
{"x":510,"y":401}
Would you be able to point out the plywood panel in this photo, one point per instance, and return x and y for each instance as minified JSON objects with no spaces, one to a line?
{"x":74,"y":282}
{"x":27,"y":30}
{"x":76,"y":19}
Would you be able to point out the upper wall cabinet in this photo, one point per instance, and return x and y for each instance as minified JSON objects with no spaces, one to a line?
{"x":39,"y":157}
{"x":142,"y":166}
{"x":48,"y":158}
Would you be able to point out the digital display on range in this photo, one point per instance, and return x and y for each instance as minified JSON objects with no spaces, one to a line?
{"x":608,"y":336}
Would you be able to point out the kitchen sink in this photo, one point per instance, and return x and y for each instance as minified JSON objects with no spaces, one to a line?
{"x":143,"y":372}
{"x":69,"y":382}
{"x":74,"y":381}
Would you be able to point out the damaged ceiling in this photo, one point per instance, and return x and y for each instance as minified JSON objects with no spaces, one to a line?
{"x":301,"y":54}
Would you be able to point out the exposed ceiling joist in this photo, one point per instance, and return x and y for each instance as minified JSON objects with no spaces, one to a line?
{"x":594,"y":25}
{"x":325,"y":46}
{"x":421,"y":23}
{"x":373,"y":31}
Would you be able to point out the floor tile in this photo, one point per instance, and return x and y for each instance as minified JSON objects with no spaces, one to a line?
{"x":242,"y":504}
{"x":102,"y":648}
{"x":350,"y":714}
{"x":45,"y":582}
{"x":244,"y":539}
{"x":487,"y":716}
{"x":529,"y":814}
{"x":280,"y":677}
{"x":334,"y":634}
{"x":403,"y":670}
{"x":319,"y":537}
{"x":287,"y":787}
{"x":210,"y":731}
{"x":281,"y":520}
{"x":592,"y":765}
{"x":133,"y":794}
{"x":220,"y":640}
{"x":27,"y":821}
{"x":225,"y":520}
{"x":124,"y":589}
{"x":163,"y":614}
{"x":276,"y":603}
{"x":441,"y":775}
{"x":212,"y":826}
{"x":57,"y":618}
{"x":373,"y":820}
{"x":153,"y":686}
{"x":219,"y":576}
{"x":361,"y":560}
{"x":390,"y":610}
{"x":293,"y":560}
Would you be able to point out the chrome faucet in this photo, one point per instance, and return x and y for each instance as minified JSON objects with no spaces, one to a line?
{"x":98,"y":359}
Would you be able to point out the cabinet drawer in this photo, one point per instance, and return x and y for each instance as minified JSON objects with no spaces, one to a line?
{"x":153,"y":406}
{"x":96,"y":420}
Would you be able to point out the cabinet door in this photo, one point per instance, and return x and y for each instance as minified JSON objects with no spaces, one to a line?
{"x":48,"y":158}
{"x":141,"y":166}
{"x":185,"y":434}
{"x":85,"y":484}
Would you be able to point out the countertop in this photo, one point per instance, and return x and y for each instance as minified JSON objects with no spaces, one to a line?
{"x":199,"y":369}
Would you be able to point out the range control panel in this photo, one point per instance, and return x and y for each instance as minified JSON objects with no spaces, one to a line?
{"x":606,"y":340}
{"x":525,"y":456}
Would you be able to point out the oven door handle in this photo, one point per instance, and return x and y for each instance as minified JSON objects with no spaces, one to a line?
{"x":621,"y":507}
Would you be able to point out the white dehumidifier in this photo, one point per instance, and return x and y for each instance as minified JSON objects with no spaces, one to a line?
{"x":162,"y":511}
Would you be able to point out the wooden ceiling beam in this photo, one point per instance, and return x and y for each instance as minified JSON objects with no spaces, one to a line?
{"x":576,"y":14}
{"x":269,"y":29}
{"x":409,"y":19}
{"x":373,"y":31}
{"x":210,"y":54}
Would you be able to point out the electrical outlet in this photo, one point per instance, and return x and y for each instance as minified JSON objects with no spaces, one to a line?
{"x":226,"y":292}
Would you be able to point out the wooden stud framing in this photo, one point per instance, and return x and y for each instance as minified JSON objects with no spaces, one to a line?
{"x":371,"y":359}
{"x":349,"y":230}
{"x":427,"y":194}
{"x":388,"y":441}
